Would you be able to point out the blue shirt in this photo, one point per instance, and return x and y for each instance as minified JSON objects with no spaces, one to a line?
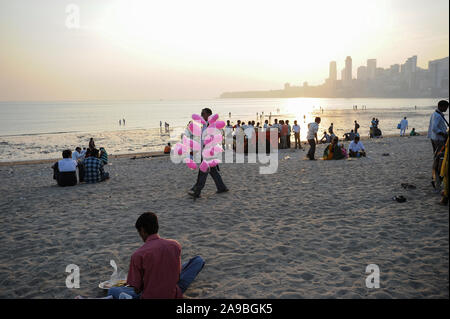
{"x":437,"y":125}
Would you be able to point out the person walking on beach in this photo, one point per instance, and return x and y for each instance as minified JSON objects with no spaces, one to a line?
{"x":403,"y":126}
{"x":437,"y":130}
{"x":313,"y":128}
{"x":155,"y":270}
{"x":124,"y":121}
{"x":214,"y":171}
{"x":296,"y":129}
{"x":120,"y":122}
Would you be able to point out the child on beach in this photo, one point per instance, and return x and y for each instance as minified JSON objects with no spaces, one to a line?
{"x":167,"y":149}
{"x":103,"y":156}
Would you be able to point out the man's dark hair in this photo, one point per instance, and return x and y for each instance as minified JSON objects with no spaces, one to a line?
{"x":94,"y":152}
{"x":207,"y":111}
{"x":149,"y":222}
{"x":317,"y":120}
{"x":443,"y":105}
{"x":67,"y":154}
{"x":78,"y":149}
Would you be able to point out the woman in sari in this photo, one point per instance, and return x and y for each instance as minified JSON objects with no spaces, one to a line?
{"x":334,"y":151}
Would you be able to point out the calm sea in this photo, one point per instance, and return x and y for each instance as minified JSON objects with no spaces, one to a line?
{"x":39,"y":130}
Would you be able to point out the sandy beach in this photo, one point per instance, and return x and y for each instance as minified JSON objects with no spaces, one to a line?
{"x":308,"y":231}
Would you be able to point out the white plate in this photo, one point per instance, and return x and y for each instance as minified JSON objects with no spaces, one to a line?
{"x":105,"y":285}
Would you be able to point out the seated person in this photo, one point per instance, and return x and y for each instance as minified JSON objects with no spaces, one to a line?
{"x":93,"y":168}
{"x":155,"y":269}
{"x":77,"y":154}
{"x":167,"y":149}
{"x":326,"y":138}
{"x":65,"y":170}
{"x":414,"y":133}
{"x":103,"y":156}
{"x":356,"y":148}
{"x":334,"y":151}
{"x":349,"y":136}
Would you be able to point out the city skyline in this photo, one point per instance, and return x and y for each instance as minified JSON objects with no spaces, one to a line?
{"x":399,"y":80}
{"x":124,"y":50}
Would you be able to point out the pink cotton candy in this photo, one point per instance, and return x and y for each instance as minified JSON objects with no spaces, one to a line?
{"x":217,"y":149}
{"x":208,"y":140}
{"x":191,"y":144}
{"x":212,"y":118}
{"x":212,"y":130}
{"x":219,"y":125}
{"x":198,"y":118}
{"x":204,"y":167}
{"x":208,"y":152}
{"x":213,"y":163}
{"x":195,"y":129}
{"x":178,"y":149}
{"x":190,"y":163}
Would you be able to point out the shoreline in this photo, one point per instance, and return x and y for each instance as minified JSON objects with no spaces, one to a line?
{"x":158,"y":154}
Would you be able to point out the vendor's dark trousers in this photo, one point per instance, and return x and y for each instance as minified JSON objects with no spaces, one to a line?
{"x":297,"y":140}
{"x":201,"y":180}
{"x":437,"y":144}
{"x":312,"y":149}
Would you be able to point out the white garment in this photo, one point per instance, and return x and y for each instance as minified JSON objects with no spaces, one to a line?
{"x":67,"y":165}
{"x":403,"y":124}
{"x":356,"y":147}
{"x":313,"y":128}
{"x":76,"y":156}
{"x":296,"y":128}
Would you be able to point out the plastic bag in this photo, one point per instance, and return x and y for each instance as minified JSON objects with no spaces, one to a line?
{"x":117,"y":274}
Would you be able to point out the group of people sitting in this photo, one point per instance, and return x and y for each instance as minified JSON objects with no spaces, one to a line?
{"x":337,"y":151}
{"x":89,"y":162}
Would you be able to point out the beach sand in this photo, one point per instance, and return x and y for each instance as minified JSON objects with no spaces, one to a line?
{"x":308,"y":231}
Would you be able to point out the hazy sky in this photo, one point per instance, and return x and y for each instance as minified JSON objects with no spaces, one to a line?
{"x":199,"y":49}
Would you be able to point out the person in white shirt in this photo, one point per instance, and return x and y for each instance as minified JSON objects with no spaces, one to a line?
{"x":228,"y":135}
{"x":65,"y":170}
{"x":296,"y":129}
{"x":77,"y":154}
{"x":313,"y":128}
{"x":356,"y":148}
{"x":403,"y":126}
{"x":266,"y":124}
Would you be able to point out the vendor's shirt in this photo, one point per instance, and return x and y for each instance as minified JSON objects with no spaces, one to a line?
{"x":155,"y":268}
{"x":67,"y":165}
{"x":296,"y":128}
{"x":356,"y":147}
{"x":313,"y":128}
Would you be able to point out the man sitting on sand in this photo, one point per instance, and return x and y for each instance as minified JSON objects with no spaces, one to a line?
{"x":334,"y":151}
{"x":414,"y":133}
{"x":93,"y":168}
{"x":356,"y":148}
{"x":155,"y":269}
{"x":325,"y":138}
{"x":65,"y":170}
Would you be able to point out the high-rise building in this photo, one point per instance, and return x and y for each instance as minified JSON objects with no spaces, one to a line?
{"x":371,"y":68}
{"x":348,"y":71}
{"x":333,"y":71}
{"x":394,"y":69}
{"x":362,"y":73}
{"x":439,"y":71}
{"x":408,"y":71}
